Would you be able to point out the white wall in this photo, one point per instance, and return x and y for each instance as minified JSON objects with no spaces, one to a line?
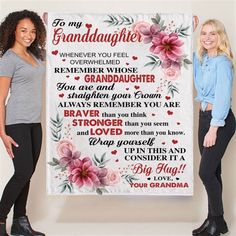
{"x":62,"y":209}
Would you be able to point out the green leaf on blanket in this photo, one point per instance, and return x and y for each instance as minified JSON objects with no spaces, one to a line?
{"x":129,"y":178}
{"x":101,"y":163}
{"x":182,"y":31}
{"x":117,"y":20}
{"x":56,"y":127}
{"x":66,"y":185}
{"x":172,"y":89}
{"x":155,"y":61}
{"x":100,"y":191}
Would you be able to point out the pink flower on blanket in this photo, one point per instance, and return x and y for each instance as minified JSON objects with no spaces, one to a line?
{"x":65,"y":148}
{"x":83,"y":173}
{"x":167,"y":46}
{"x":112,"y":178}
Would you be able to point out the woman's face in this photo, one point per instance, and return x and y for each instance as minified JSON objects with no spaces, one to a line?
{"x":25,"y":33}
{"x":209,"y":39}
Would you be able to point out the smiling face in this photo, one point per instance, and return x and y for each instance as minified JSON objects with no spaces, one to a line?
{"x":25,"y":33}
{"x":209,"y":39}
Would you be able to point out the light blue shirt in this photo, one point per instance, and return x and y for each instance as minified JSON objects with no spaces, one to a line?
{"x":213,"y":79}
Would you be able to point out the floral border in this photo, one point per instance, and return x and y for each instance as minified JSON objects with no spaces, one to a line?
{"x":73,"y":170}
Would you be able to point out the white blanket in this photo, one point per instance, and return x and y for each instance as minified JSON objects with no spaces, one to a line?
{"x":119,"y":104}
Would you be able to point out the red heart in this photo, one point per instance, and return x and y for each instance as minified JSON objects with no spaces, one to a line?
{"x":88,"y":25}
{"x":77,"y":78}
{"x":54,"y":52}
{"x":67,"y":76}
{"x":178,"y":123}
{"x":170,"y":113}
{"x":64,"y":59}
{"x":137,"y":87}
{"x":134,"y":58}
{"x":167,"y":97}
{"x":114,"y":152}
{"x":163,"y":143}
{"x":61,"y":95}
{"x":174,"y":141}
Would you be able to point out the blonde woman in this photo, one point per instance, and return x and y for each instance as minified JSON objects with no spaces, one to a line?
{"x":213,"y":78}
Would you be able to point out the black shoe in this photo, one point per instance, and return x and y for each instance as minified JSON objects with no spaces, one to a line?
{"x":201,"y":228}
{"x":21,"y":227}
{"x":214,"y":230}
{"x":3,"y":231}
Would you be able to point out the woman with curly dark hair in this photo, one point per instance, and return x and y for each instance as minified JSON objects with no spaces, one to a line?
{"x":22,"y":70}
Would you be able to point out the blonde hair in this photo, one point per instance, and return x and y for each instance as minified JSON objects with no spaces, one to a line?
{"x":224,"y":47}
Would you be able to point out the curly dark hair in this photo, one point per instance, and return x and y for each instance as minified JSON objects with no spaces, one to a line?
{"x":8,"y":28}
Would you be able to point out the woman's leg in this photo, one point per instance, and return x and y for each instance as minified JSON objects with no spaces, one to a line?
{"x":210,"y":173}
{"x":21,"y":201}
{"x":23,"y":165}
{"x":203,"y":127}
{"x":211,"y":164}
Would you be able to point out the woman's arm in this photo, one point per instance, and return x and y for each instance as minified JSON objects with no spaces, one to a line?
{"x":4,"y":88}
{"x":7,"y":140}
{"x":222,"y":101}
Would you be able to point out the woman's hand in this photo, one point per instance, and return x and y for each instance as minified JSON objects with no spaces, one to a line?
{"x":8,"y":142}
{"x":45,"y":18}
{"x":195,"y":22}
{"x":210,"y":137}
